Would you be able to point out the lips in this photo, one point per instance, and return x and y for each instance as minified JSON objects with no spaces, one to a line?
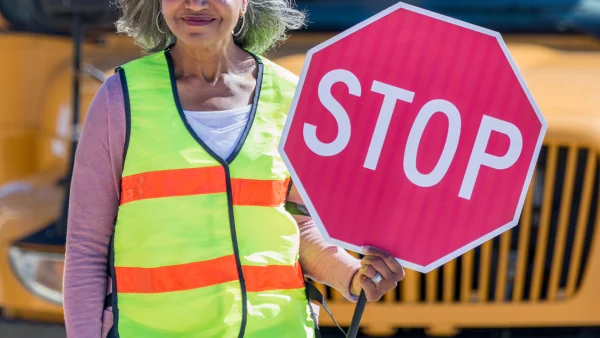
{"x":198,"y":20}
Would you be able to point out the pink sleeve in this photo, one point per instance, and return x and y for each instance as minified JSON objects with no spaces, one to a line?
{"x":93,"y":208}
{"x":324,"y":263}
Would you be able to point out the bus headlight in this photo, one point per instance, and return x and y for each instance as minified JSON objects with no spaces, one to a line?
{"x":40,"y":272}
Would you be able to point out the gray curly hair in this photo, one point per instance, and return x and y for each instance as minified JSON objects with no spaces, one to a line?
{"x":266,"y":24}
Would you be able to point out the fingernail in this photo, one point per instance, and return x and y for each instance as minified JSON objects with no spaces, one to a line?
{"x":365,"y":248}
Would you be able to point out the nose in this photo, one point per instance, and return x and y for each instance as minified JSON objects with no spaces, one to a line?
{"x":196,"y":5}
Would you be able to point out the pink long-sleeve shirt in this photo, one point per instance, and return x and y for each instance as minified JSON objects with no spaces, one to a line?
{"x":94,"y":202}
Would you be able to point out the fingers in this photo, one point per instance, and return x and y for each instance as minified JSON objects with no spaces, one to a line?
{"x":392,"y":264}
{"x":368,"y":271}
{"x":370,"y":289}
{"x":373,"y":291}
{"x":379,"y":261}
{"x":379,"y":265}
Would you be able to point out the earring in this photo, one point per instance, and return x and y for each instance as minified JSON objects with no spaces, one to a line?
{"x":158,"y":24}
{"x":242,"y":27}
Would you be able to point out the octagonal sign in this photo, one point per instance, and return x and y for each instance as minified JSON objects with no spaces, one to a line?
{"x":413,"y":132}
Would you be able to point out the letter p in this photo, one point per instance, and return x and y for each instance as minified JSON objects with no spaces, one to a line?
{"x":480,"y":158}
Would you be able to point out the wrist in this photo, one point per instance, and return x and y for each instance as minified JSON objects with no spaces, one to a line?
{"x":355,"y":285}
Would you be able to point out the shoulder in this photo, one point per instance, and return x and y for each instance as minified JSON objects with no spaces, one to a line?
{"x":106,"y":113}
{"x":110,"y":94}
{"x":112,"y":85}
{"x":280,"y":73}
{"x":105,"y":97}
{"x":279,"y":81}
{"x":157,"y":58}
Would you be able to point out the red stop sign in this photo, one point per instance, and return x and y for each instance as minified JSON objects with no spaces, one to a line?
{"x":415,"y":133}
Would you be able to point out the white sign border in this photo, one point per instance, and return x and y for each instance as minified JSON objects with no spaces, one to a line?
{"x":302,"y":191}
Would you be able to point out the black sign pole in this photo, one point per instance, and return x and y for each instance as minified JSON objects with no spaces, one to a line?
{"x":358,"y":312}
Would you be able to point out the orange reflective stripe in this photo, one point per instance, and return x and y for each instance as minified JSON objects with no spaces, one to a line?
{"x":167,"y":183}
{"x":176,"y":277}
{"x":207,"y":273}
{"x":273,"y":277}
{"x":196,"y":181}
{"x":259,"y":192}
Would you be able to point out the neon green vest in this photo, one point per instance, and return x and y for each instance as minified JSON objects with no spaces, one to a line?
{"x":203,"y":246}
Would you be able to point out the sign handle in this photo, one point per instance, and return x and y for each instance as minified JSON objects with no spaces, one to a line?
{"x":358,"y":311}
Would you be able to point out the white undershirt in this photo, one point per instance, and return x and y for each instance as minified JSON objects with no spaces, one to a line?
{"x":219,"y":130}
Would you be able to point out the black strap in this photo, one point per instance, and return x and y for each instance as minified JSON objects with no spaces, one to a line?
{"x":296,"y":208}
{"x":314,"y":317}
{"x":289,"y":188}
{"x":293,"y":207}
{"x":108,"y":298}
{"x":314,"y":294}
{"x":108,"y":301}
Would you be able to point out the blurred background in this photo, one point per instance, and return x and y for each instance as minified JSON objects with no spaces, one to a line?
{"x":541,"y":279}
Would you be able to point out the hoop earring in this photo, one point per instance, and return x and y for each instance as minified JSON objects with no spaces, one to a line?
{"x":241,"y":28}
{"x":158,"y":24}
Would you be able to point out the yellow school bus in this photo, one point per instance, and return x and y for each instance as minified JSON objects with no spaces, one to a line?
{"x":544,"y":273}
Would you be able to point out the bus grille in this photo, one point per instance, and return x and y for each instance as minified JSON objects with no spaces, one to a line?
{"x":541,"y":259}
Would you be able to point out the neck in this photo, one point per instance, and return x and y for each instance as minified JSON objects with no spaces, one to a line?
{"x":207,"y":62}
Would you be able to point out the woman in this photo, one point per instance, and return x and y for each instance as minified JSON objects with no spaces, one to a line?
{"x":178,"y":187}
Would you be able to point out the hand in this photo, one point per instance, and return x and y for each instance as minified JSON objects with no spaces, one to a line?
{"x":376,"y":261}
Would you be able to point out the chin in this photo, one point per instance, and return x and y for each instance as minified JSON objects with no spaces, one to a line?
{"x":199,"y":39}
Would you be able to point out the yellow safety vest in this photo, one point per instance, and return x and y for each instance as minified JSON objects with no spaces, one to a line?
{"x":203,"y":246}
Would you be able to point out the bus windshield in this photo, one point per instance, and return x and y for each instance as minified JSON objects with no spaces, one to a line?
{"x":507,"y":16}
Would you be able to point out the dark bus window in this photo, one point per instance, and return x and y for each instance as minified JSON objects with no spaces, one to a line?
{"x":26,"y":15}
{"x":20,"y":13}
{"x":524,"y":16}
